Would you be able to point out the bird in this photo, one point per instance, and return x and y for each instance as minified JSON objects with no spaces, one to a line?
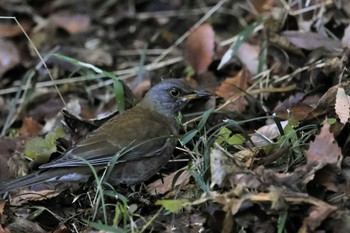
{"x":136,"y":143}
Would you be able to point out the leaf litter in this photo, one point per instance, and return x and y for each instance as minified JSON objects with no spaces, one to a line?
{"x":272,"y":154}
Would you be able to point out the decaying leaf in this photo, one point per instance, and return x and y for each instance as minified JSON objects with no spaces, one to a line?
{"x":311,"y":40}
{"x":233,"y":88}
{"x":200,"y":46}
{"x":30,"y":127}
{"x":165,"y":184}
{"x":221,"y":166}
{"x":324,"y":149}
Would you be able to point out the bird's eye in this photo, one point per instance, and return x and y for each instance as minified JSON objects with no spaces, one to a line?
{"x":175,"y":92}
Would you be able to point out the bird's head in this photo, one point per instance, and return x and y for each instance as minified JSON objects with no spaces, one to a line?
{"x":170,"y":96}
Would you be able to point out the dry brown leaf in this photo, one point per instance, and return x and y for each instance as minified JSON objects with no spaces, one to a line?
{"x":9,"y":56}
{"x":11,"y":29}
{"x":30,"y":128}
{"x":25,"y":196}
{"x":233,"y":88}
{"x":73,"y":23}
{"x":24,"y":225}
{"x":327,"y":102}
{"x":318,"y":214}
{"x":324,"y":149}
{"x":342,"y":105}
{"x":296,"y":106}
{"x":200,"y":46}
{"x":164,"y":185}
{"x":310,"y":40}
{"x":12,"y":161}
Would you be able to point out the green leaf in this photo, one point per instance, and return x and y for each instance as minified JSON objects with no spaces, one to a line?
{"x":204,"y":119}
{"x":331,"y":121}
{"x":119,"y":94}
{"x":173,"y":206}
{"x":101,"y":226}
{"x":223,"y":135}
{"x":236,"y":139}
{"x":40,"y":149}
{"x":188,"y":136}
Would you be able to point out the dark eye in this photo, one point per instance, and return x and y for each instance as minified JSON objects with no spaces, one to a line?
{"x":175,"y":92}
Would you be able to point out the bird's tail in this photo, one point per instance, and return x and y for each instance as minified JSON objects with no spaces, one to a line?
{"x":24,"y":181}
{"x":45,"y":175}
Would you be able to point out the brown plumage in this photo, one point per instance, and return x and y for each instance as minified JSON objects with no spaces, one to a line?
{"x":143,"y":138}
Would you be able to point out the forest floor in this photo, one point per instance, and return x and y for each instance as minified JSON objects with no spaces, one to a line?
{"x":268,"y":152}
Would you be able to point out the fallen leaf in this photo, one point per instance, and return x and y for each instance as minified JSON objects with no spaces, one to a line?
{"x":199,"y":48}
{"x":24,"y":196}
{"x":324,"y":149}
{"x":342,"y":105}
{"x":249,"y":56}
{"x":12,"y":29}
{"x":311,"y":40}
{"x":73,"y":23}
{"x":165,"y":184}
{"x":24,"y":225}
{"x":233,"y":88}
{"x":267,"y":131}
{"x":327,"y":102}
{"x":30,"y":128}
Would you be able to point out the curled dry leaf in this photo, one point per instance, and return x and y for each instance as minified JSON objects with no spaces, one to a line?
{"x":324,"y":149}
{"x":199,"y":48}
{"x":233,"y":89}
{"x":9,"y":56}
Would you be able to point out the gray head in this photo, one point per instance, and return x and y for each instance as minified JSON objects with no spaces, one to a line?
{"x":170,"y":96}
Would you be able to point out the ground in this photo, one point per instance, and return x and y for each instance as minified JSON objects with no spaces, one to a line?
{"x":268,"y":152}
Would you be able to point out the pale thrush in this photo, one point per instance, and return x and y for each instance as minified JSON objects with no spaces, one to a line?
{"x":144,"y":137}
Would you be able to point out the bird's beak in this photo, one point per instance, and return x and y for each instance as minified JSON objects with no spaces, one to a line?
{"x":197,"y":94}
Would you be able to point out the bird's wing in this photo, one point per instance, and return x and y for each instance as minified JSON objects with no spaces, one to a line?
{"x":135,"y":134}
